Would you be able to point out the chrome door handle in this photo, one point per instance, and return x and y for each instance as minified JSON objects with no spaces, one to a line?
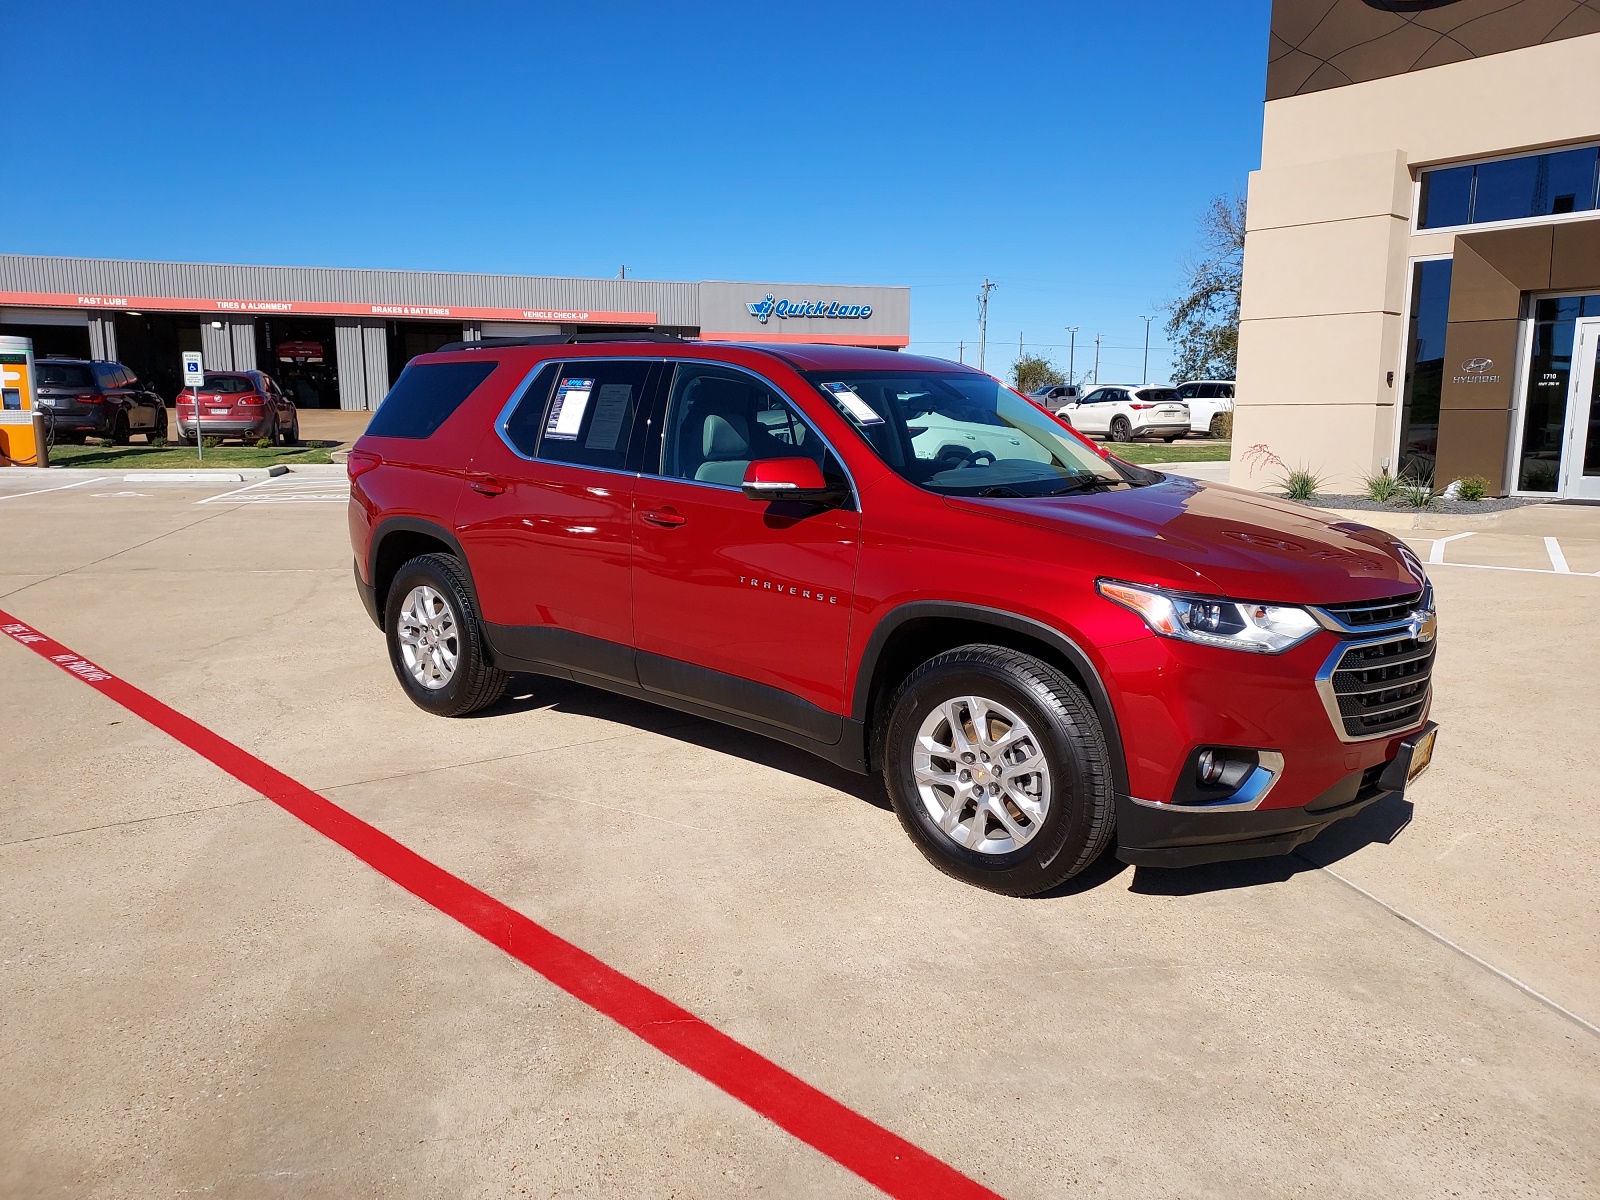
{"x":665,"y":518}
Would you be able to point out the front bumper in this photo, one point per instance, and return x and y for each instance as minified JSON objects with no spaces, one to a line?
{"x":1176,"y":835}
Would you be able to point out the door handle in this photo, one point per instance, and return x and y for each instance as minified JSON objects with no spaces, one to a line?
{"x":666,"y":518}
{"x":487,"y":486}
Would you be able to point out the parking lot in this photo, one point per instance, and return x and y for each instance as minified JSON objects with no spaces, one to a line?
{"x":200,"y":992}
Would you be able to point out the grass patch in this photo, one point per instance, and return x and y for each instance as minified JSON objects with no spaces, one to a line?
{"x":152,"y":458}
{"x":1146,"y":453}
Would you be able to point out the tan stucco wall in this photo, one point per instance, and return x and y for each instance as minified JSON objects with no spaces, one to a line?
{"x":1329,"y":241}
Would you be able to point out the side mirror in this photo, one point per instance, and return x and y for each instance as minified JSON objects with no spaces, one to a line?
{"x":800,"y":479}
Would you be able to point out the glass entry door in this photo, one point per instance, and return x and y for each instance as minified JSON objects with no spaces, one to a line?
{"x":1581,"y":462}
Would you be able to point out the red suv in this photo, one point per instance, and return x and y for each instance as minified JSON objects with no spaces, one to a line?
{"x":902,"y":565}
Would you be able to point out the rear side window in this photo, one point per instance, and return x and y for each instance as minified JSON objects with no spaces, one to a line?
{"x":592,"y":412}
{"x":425,"y":395}
{"x":70,"y":375}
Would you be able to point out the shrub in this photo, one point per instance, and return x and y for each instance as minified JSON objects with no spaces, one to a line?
{"x":263,"y":443}
{"x":1416,"y":494}
{"x":1473,"y":487}
{"x":1381,"y":486}
{"x":105,"y":443}
{"x":1222,"y":426}
{"x":211,"y":443}
{"x":1301,"y":483}
{"x":158,"y":442}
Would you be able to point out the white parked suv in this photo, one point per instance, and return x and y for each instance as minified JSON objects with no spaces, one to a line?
{"x":1207,"y":399}
{"x":1125,"y":411}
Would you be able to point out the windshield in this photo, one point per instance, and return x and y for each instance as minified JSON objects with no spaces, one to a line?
{"x":965,"y":434}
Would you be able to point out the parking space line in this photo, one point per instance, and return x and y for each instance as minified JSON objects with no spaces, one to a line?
{"x":42,"y":491}
{"x":1558,"y":560}
{"x":224,"y":495}
{"x":1436,"y":555}
{"x":883,"y":1159}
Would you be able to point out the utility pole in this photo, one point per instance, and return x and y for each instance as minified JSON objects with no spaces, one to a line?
{"x":623,"y":274}
{"x":961,"y":351}
{"x":1146,"y":321}
{"x":1072,"y":355}
{"x":983,"y":320}
{"x":1019,"y":345}
{"x":1097,"y":360}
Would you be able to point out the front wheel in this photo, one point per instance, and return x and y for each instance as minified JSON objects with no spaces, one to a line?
{"x":998,"y":769}
{"x":1121,"y":430}
{"x":435,"y":642}
{"x":119,"y":430}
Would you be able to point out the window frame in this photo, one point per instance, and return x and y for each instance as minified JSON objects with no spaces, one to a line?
{"x":644,"y":407}
{"x":1418,"y":169}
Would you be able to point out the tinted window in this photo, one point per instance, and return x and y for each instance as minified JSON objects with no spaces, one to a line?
{"x":67,"y":375}
{"x":1419,"y":407}
{"x":522,"y":426}
{"x":1535,"y":185}
{"x":1190,"y":390}
{"x":1157,"y":395}
{"x":591,"y":414}
{"x":227,"y":385}
{"x":720,"y":421}
{"x":424,"y":397}
{"x":1225,"y":391}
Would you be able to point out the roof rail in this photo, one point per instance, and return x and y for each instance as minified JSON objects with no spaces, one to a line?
{"x":564,"y":339}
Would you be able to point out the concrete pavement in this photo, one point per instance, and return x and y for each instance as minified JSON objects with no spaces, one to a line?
{"x":199,"y":993}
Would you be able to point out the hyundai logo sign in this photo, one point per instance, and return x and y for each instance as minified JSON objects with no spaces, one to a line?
{"x":761,"y":310}
{"x":1477,"y":366}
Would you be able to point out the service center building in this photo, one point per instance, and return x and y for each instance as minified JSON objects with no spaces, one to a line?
{"x":337,"y":338}
{"x":1422,"y":261}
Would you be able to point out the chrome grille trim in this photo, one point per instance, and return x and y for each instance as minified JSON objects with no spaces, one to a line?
{"x":1373,"y":616}
{"x":1377,"y":687}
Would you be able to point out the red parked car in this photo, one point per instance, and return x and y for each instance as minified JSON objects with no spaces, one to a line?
{"x":240,"y":404}
{"x":904,"y":566}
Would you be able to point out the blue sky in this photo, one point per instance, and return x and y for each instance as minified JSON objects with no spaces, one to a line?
{"x":1064,"y":150}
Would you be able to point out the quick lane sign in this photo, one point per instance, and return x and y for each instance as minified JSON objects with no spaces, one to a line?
{"x":761,"y":310}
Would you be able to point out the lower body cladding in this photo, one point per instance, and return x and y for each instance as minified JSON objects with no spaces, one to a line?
{"x":1233,"y":827}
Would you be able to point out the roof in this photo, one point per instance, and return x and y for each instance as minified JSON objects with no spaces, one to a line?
{"x":814,"y":357}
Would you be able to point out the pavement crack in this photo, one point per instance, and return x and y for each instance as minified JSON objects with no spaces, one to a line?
{"x":187,"y":812}
{"x":1526,"y":989}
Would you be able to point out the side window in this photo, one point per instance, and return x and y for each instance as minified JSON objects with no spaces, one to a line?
{"x":720,"y":421}
{"x":1225,"y":391}
{"x":521,"y":427}
{"x":1189,"y":391}
{"x":1095,"y":396}
{"x":591,"y":414}
{"x":425,"y":395}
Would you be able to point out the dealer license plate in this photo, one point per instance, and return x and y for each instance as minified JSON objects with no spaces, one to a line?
{"x":218,"y":412}
{"x":1422,"y":754}
{"x":47,"y":401}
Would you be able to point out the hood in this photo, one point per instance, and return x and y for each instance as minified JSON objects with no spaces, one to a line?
{"x":1242,"y":544}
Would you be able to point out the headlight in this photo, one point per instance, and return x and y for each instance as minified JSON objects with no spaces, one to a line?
{"x":1212,"y":621}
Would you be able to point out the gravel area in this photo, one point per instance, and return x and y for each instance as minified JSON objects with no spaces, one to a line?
{"x":1461,"y":507}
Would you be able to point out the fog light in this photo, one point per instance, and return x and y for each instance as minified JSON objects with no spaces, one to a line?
{"x":1208,"y":768}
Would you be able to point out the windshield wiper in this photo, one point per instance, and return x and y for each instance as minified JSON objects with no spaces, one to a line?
{"x":1084,"y":483}
{"x":1003,"y":490}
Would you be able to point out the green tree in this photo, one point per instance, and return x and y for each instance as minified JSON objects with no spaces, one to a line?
{"x":1034,"y":371}
{"x":1203,"y":323}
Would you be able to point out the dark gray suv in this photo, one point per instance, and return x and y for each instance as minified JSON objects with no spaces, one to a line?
{"x":87,"y":397}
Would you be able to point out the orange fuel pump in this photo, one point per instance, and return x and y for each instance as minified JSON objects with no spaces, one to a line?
{"x":22,"y":441}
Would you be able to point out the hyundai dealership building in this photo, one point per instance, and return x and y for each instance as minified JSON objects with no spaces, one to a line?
{"x":1422,"y":262}
{"x":336,"y":338}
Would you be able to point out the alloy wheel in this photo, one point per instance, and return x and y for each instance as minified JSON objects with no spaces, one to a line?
{"x":981,"y":774}
{"x":430,"y":643}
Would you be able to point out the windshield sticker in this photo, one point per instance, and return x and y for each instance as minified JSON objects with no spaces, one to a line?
{"x":853,"y":404}
{"x":566,"y":414}
{"x":610,"y":411}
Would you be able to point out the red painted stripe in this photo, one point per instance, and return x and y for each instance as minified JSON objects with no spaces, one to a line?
{"x":881,"y":1158}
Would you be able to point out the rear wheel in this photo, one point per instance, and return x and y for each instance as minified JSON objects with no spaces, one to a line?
{"x":998,"y":769}
{"x":158,"y":432}
{"x":290,"y":436}
{"x":435,"y":640}
{"x":1121,"y":430}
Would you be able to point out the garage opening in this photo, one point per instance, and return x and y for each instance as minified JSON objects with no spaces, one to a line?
{"x":407,"y":339}
{"x":302,"y":354}
{"x":54,"y":335}
{"x":151,"y":345}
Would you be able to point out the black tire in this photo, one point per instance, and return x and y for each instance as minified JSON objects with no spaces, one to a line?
{"x":119,"y":430}
{"x":292,"y":437}
{"x":1170,"y":440}
{"x":1081,"y":818}
{"x":1121,"y":431}
{"x":476,"y":682}
{"x":159,"y":432}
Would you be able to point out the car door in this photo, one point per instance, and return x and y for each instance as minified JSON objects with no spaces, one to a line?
{"x":742,"y":605}
{"x":1091,"y":414}
{"x":546,"y":517}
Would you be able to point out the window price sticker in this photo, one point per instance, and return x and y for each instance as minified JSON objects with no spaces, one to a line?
{"x":566,"y":414}
{"x":844,"y":395}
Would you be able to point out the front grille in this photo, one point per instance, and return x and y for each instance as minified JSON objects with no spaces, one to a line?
{"x":1389,"y":611}
{"x":1381,"y":687}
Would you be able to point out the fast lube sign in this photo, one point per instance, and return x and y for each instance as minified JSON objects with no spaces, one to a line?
{"x":767,"y":308}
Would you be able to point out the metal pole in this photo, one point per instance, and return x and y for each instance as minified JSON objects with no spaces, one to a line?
{"x":1146,"y":321}
{"x":983,"y":321}
{"x":1072,"y":355}
{"x":961,"y":351}
{"x":1097,"y":359}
